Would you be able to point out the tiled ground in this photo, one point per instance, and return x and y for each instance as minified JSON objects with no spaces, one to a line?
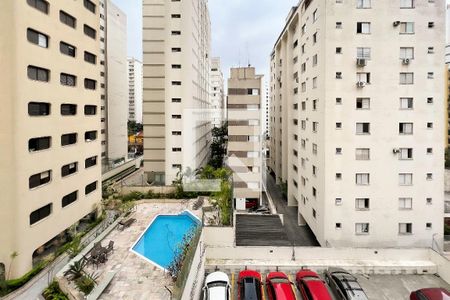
{"x":136,"y":278}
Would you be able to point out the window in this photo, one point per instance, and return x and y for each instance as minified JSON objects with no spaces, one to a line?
{"x":338,"y":75}
{"x":362,"y":103}
{"x":37,"y":38}
{"x":40,"y":214}
{"x":176,"y":116}
{"x":406,"y":78}
{"x":429,"y":150}
{"x":314,"y":148}
{"x":89,"y":6}
{"x":314,"y":38}
{"x":406,"y":103}
{"x":406,"y":3}
{"x":338,"y":25}
{"x":89,"y":31}
{"x":68,"y":139}
{"x":90,"y":162}
{"x":90,"y":110}
{"x":314,"y":82}
{"x":176,"y":100}
{"x":90,"y":188}
{"x":429,"y":225}
{"x":338,"y":50}
{"x":39,"y":179}
{"x":176,"y":82}
{"x":39,"y":74}
{"x":338,"y":201}
{"x":363,"y":4}
{"x":362,"y":178}
{"x":362,"y":128}
{"x":67,"y":79}
{"x":315,"y":15}
{"x":405,"y":228}
{"x":67,"y":49}
{"x":406,"y":153}
{"x":363,"y":27}
{"x":339,"y":151}
{"x":362,"y":228}
{"x":429,"y":201}
{"x":69,"y":199}
{"x":406,"y":52}
{"x":338,"y":125}
{"x":176,"y":149}
{"x":362,"y":154}
{"x":90,"y":136}
{"x":38,"y":109}
{"x":67,"y":19}
{"x":405,"y":128}
{"x":68,"y":109}
{"x":90,"y":84}
{"x":362,"y":203}
{"x":363,"y":53}
{"x":69,"y":169}
{"x":338,"y":176}
{"x":176,"y":132}
{"x":38,"y":144}
{"x":405,"y":203}
{"x":430,"y":24}
{"x":40,"y":5}
{"x":430,"y":75}
{"x":363,"y":77}
{"x":176,"y":66}
{"x":176,"y":16}
{"x":314,"y":213}
{"x":315,"y":125}
{"x":429,"y":176}
{"x":338,"y":100}
{"x":405,"y":178}
{"x":176,"y":49}
{"x":430,"y":100}
{"x":406,"y":27}
{"x":338,"y":225}
{"x":90,"y":58}
{"x":314,"y":63}
{"x":430,"y":50}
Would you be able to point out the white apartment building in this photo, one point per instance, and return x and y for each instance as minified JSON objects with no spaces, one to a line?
{"x":134,"y":90}
{"x":50,"y":175}
{"x":244,"y":136}
{"x":357,"y":129}
{"x":217,"y":93}
{"x":177,"y":125}
{"x":114,"y":85}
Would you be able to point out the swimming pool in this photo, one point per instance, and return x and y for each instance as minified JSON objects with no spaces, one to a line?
{"x":158,"y":244}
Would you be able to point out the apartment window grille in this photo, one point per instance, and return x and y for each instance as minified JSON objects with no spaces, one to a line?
{"x":362,"y":154}
{"x":406,"y":3}
{"x":90,"y":110}
{"x":89,"y":31}
{"x":90,"y":162}
{"x":68,"y":139}
{"x":37,"y":38}
{"x":406,"y":78}
{"x":406,"y":52}
{"x":363,"y":77}
{"x":69,"y":169}
{"x":67,"y":49}
{"x":90,"y":58}
{"x":363,"y":27}
{"x":67,"y":19}
{"x":40,"y":143}
{"x":406,"y":27}
{"x":67,"y":79}
{"x":38,"y":109}
{"x":362,"y":228}
{"x":90,"y":84}
{"x":405,"y":128}
{"x":362,"y":178}
{"x":406,"y":103}
{"x":40,"y":214}
{"x":405,"y":203}
{"x":406,"y":154}
{"x":363,"y":4}
{"x":362,"y":203}
{"x":363,"y":53}
{"x":362,"y":103}
{"x":40,"y":5}
{"x":90,"y":136}
{"x":90,"y":188}
{"x":405,"y":178}
{"x":38,"y":74}
{"x":405,"y":228}
{"x":89,"y":5}
{"x":68,"y":109}
{"x":39,"y":179}
{"x":362,"y":128}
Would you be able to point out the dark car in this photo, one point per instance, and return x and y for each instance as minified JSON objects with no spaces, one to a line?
{"x":430,"y":294}
{"x":249,"y":285}
{"x":311,"y":286}
{"x":344,"y":285}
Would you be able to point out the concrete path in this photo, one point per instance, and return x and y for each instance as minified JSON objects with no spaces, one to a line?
{"x":297,"y":235}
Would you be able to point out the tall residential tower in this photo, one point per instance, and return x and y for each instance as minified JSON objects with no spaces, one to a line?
{"x":134,"y":90}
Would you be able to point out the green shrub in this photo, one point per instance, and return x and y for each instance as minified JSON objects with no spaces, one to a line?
{"x":133,"y":196}
{"x":76,"y":270}
{"x":14,"y":284}
{"x":53,"y":292}
{"x":86,"y":283}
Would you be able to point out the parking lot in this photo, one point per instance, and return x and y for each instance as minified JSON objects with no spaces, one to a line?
{"x":377,"y":287}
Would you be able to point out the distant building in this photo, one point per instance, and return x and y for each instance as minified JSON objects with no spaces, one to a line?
{"x":217,"y":93}
{"x":244,"y":136}
{"x":135,"y":90}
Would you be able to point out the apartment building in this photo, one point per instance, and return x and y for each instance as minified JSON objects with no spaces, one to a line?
{"x":266,"y":111}
{"x":217,"y":93}
{"x":134,"y":90}
{"x":244,"y":135}
{"x":177,"y":125}
{"x":357,"y":129}
{"x":114,"y":83}
{"x":50,"y":175}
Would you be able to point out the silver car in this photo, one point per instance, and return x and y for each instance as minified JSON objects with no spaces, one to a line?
{"x":344,"y":285}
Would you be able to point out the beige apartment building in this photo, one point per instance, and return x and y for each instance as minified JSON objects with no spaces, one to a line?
{"x":50,"y":175}
{"x":244,"y":135}
{"x":357,"y":124}
{"x":177,"y":125}
{"x":217,"y":93}
{"x":134,"y":90}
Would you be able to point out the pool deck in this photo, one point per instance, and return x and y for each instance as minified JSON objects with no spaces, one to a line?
{"x":136,"y":278}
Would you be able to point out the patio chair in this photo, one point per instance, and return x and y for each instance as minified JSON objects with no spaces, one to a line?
{"x":127,"y":223}
{"x":110,"y":247}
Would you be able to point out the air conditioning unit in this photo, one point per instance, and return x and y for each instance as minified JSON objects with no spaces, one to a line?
{"x":405,"y":61}
{"x":396,"y":23}
{"x":360,"y":84}
{"x":395,"y":150}
{"x":360,"y":62}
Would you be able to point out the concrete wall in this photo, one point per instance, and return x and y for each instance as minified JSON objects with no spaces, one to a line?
{"x":193,"y":287}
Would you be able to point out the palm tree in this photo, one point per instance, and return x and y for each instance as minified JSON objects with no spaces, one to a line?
{"x":12,"y":256}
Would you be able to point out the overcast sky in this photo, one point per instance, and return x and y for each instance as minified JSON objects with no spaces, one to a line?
{"x":242,"y":30}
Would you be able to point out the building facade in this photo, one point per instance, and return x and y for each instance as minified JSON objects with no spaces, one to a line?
{"x":217,"y":93}
{"x":135,"y":90}
{"x":357,"y":129}
{"x":50,"y":173}
{"x":244,"y":136}
{"x":177,"y":125}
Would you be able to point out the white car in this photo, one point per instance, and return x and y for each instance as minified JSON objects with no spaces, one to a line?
{"x":217,"y":287}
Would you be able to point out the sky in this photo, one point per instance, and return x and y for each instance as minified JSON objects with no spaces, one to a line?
{"x":242,"y":31}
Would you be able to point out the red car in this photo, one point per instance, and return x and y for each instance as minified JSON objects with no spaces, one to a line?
{"x":430,"y":294}
{"x":249,"y":285}
{"x":311,"y":286}
{"x":279,"y":287}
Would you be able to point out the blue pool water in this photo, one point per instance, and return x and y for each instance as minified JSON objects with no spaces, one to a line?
{"x":160,"y":240}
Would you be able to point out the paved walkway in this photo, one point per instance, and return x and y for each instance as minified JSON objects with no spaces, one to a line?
{"x":297,"y":235}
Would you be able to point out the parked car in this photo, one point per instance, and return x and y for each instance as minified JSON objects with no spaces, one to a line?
{"x":311,"y":286}
{"x":430,"y":294}
{"x":249,"y":285}
{"x":279,"y":287}
{"x":262,"y":210}
{"x":217,"y":287}
{"x":344,"y":285}
{"x":251,"y":203}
